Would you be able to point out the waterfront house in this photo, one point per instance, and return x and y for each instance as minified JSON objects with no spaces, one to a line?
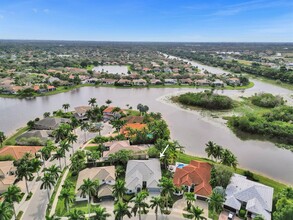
{"x":106,"y":177}
{"x":139,"y":82}
{"x":109,"y":81}
{"x":187,"y":81}
{"x":218,"y":83}
{"x":143,"y":174}
{"x":124,"y":82}
{"x":42,"y":135}
{"x":170,"y":81}
{"x":131,"y":126}
{"x":202,"y":82}
{"x":194,"y":177}
{"x":155,"y":82}
{"x":108,"y":113}
{"x":81,"y":112}
{"x":255,"y":198}
{"x":49,"y":123}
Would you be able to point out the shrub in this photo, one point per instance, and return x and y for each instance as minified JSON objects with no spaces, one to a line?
{"x":242,"y":213}
{"x":267,"y":100}
{"x":6,"y":158}
{"x":207,"y":100}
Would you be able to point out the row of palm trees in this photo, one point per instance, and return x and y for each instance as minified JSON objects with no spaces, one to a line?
{"x":219,"y":154}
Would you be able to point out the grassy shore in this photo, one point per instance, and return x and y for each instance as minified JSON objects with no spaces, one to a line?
{"x":11,"y":140}
{"x":278,"y":186}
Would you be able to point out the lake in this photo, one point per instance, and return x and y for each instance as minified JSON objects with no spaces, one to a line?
{"x":190,"y":128}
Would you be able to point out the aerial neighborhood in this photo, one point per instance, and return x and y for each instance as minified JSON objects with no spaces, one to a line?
{"x":103,"y":160}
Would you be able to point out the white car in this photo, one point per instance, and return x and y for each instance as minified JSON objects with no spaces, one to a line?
{"x":230,"y":216}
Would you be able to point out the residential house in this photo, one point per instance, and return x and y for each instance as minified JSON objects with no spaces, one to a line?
{"x":139,"y":82}
{"x":170,"y":81}
{"x":49,"y":123}
{"x":133,"y":119}
{"x":233,"y":81}
{"x":81,"y":112}
{"x":255,"y":198}
{"x":143,"y":174}
{"x":195,"y":177}
{"x":155,"y":82}
{"x":17,"y":152}
{"x":108,"y":113}
{"x":202,"y":82}
{"x":7,"y":177}
{"x":124,"y":82}
{"x":53,"y":79}
{"x":218,"y":82}
{"x":42,"y":135}
{"x":109,"y":81}
{"x":133,"y":126}
{"x":105,"y":176}
{"x":187,"y":81}
{"x":139,"y":151}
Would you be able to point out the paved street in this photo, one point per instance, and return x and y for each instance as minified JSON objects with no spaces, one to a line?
{"x":35,"y":208}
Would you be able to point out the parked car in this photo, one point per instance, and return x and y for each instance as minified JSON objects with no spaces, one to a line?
{"x":230,"y":216}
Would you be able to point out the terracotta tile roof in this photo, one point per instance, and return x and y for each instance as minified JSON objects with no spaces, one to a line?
{"x":18,"y":151}
{"x":134,"y":126}
{"x":197,"y":173}
{"x":108,"y":109}
{"x":133,"y":119}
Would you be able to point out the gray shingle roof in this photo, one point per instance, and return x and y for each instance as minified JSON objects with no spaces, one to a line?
{"x":138,"y":171}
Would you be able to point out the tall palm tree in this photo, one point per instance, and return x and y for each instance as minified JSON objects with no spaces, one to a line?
{"x":119,"y":189}
{"x":140,"y":206}
{"x":48,"y":182}
{"x":71,"y":139}
{"x":2,"y":138}
{"x":66,"y":106}
{"x":54,"y":171}
{"x":60,"y":153}
{"x":194,"y":213}
{"x":89,"y":188}
{"x":64,"y":145}
{"x":210,"y":147}
{"x":121,"y":209}
{"x":168,"y":189}
{"x":36,"y":165}
{"x":100,"y":213}
{"x":189,"y":197}
{"x":228,"y":158}
{"x":61,"y":132}
{"x":217,"y":152}
{"x":68,"y":197}
{"x":13,"y":194}
{"x":6,"y":211}
{"x":76,"y":214}
{"x":216,"y":201}
{"x":92,"y":102}
{"x":156,"y":203}
{"x":46,"y":151}
{"x":24,"y":171}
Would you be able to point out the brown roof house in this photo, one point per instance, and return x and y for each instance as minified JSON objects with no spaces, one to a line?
{"x":106,"y":177}
{"x":195,"y":177}
{"x":80,"y":112}
{"x":17,"y":152}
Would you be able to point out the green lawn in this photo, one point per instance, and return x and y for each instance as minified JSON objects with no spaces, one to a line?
{"x":278,"y":186}
{"x":11,"y":140}
{"x":91,"y":148}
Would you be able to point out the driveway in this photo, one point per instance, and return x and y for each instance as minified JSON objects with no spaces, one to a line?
{"x":224,"y":216}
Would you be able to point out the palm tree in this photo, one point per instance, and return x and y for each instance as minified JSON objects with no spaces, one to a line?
{"x":121,"y":209}
{"x":47,"y":182}
{"x":54,"y":171}
{"x":60,"y":153}
{"x":108,"y":101}
{"x":179,"y":146}
{"x":76,"y":214}
{"x":68,"y":184}
{"x":71,"y":138}
{"x":68,"y":196}
{"x":216,"y":201}
{"x":194,"y":213}
{"x":61,"y":132}
{"x":189,"y":197}
{"x":217,"y":152}
{"x":24,"y":171}
{"x":100,"y":213}
{"x":6,"y":211}
{"x":156,"y":203}
{"x":119,"y":189}
{"x":210,"y":147}
{"x":46,"y":152}
{"x":36,"y":165}
{"x":168,"y":189}
{"x":13,"y":194}
{"x":2,"y":138}
{"x":140,"y":205}
{"x":92,"y":102}
{"x":89,"y":188}
{"x":65,"y":147}
{"x":66,"y":106}
{"x":46,"y":114}
{"x":228,"y":158}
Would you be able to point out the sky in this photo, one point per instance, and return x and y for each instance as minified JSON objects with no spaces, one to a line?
{"x":148,"y":20}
